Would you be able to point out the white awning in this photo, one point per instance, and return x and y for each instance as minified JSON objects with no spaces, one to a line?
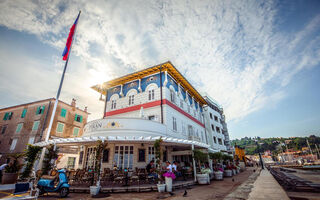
{"x":79,"y":140}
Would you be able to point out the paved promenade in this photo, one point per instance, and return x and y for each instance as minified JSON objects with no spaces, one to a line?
{"x":266,"y":187}
{"x":251,"y":184}
{"x":216,"y":190}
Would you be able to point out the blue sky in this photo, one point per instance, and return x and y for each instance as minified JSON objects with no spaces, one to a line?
{"x":259,"y":59}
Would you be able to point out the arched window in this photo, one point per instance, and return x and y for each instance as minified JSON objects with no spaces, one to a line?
{"x":131,"y":99}
{"x":151,"y":94}
{"x":150,"y":90}
{"x":172,"y":95}
{"x":131,"y":93}
{"x":113,"y":100}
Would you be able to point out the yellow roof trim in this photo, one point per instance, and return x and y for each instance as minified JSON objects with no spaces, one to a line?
{"x":167,"y":66}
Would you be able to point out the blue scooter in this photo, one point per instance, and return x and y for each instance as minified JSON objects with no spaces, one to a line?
{"x":51,"y":184}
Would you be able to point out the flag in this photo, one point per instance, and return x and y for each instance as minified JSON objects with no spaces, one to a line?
{"x":69,"y":40}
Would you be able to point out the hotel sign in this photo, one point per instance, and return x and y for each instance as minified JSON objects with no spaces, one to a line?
{"x":101,"y":124}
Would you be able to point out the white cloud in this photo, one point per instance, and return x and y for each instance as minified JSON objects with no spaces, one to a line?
{"x":232,"y":45}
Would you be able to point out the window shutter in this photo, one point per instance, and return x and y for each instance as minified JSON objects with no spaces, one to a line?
{"x":38,"y":110}
{"x":75,"y":117}
{"x":63,"y":112}
{"x":43,"y":107}
{"x":24,"y":113}
{"x":19,"y":127}
{"x":80,"y":119}
{"x":6,"y":116}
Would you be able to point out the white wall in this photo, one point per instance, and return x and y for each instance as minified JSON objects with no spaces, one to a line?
{"x":214,"y":133}
{"x":63,"y":162}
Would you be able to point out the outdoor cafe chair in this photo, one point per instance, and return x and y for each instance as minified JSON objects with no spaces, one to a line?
{"x":134,"y":178}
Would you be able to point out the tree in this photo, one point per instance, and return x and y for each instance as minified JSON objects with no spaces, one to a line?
{"x":31,"y":153}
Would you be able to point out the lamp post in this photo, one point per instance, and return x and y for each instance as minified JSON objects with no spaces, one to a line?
{"x":261,"y":162}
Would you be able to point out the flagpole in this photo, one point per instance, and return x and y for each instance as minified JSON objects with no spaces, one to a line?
{"x":57,"y":98}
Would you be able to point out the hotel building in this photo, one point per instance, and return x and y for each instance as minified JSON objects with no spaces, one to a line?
{"x":142,"y":107}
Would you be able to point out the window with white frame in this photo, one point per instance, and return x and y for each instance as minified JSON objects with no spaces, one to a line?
{"x":202,"y":136}
{"x":172,"y":96}
{"x":13,"y":144}
{"x":152,"y":117}
{"x":131,"y":100}
{"x":220,"y":141}
{"x":76,"y":131}
{"x":183,"y":128}
{"x":19,"y":127}
{"x":174,"y":123}
{"x":215,"y":139}
{"x":60,"y":127}
{"x":151,"y":155}
{"x":151,"y":95}
{"x":181,"y":104}
{"x":190,"y":131}
{"x":218,"y":129}
{"x":31,"y":140}
{"x":123,"y":157}
{"x":113,"y":104}
{"x":35,"y":125}
{"x":71,"y":162}
{"x":90,"y":158}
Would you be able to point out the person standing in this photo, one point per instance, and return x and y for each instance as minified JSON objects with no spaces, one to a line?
{"x":168,"y":166}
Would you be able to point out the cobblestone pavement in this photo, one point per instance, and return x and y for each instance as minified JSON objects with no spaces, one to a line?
{"x":216,"y":190}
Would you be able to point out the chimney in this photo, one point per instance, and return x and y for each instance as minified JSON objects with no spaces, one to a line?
{"x":73,"y":102}
{"x":86,"y":109}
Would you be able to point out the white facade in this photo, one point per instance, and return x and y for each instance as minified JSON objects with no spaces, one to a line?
{"x":216,"y":126}
{"x":137,"y":113}
{"x":180,"y":115}
{"x":182,"y":119}
{"x":214,"y":129}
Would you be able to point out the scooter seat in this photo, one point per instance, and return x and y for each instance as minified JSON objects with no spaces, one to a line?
{"x":48,"y":177}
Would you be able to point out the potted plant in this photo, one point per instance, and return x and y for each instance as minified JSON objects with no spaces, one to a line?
{"x":202,"y":176}
{"x":31,"y":154}
{"x":218,"y":170}
{"x":158,"y":156}
{"x":228,"y":170}
{"x":11,"y":171}
{"x":94,"y":189}
{"x":218,"y":173}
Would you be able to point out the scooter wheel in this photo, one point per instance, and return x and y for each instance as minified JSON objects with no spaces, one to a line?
{"x":41,"y":191}
{"x":64,"y":192}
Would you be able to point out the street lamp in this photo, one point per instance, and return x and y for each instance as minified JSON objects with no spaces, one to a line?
{"x":261,"y":162}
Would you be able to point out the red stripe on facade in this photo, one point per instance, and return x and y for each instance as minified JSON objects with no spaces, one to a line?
{"x":133,"y":108}
{"x":182,"y":111}
{"x":152,"y":104}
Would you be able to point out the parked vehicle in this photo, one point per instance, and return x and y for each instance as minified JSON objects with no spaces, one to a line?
{"x":58,"y":183}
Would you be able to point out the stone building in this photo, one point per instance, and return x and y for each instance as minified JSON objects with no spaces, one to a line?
{"x":27,"y":124}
